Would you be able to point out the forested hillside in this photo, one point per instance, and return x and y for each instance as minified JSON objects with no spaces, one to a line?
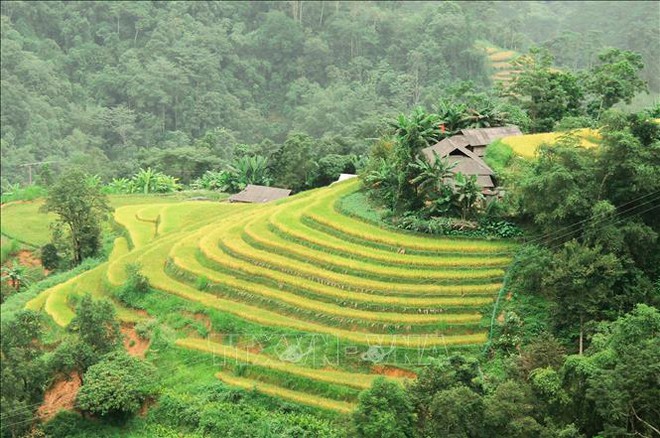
{"x":116,"y":85}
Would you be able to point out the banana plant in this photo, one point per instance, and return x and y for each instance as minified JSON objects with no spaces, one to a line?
{"x":466,"y":193}
{"x":14,"y":275}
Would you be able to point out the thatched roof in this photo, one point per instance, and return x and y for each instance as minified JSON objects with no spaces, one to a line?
{"x":345,"y":176}
{"x":467,"y":162}
{"x":445,"y":146}
{"x":259,"y":194}
{"x":485,"y":136}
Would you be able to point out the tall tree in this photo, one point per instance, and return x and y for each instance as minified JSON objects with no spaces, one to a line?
{"x":384,"y":411}
{"x":81,"y":208}
{"x":615,"y":79}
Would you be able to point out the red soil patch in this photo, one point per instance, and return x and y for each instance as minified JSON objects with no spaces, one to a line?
{"x":508,"y":296}
{"x":500,"y":318}
{"x":28,"y":259}
{"x":255,"y":349}
{"x":203,"y":319}
{"x":144,"y":409}
{"x":391,"y":371}
{"x":143,"y":313}
{"x":61,"y":395}
{"x":134,"y":345}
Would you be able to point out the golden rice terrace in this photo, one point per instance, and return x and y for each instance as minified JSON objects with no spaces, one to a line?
{"x":336,"y":300}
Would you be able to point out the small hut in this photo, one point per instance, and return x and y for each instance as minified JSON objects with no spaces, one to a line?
{"x":259,"y":194}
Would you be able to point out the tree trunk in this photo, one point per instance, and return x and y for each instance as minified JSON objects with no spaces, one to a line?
{"x":321,"y":19}
{"x":581,"y":336}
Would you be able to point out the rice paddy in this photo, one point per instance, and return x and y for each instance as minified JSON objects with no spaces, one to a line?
{"x":527,"y":145}
{"x":298,"y":268}
{"x":501,"y":62}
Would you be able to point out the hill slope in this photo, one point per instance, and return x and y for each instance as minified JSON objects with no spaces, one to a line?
{"x":294,"y":298}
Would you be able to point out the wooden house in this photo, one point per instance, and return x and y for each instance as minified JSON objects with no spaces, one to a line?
{"x":259,"y":194}
{"x":478,"y":139}
{"x":467,"y":162}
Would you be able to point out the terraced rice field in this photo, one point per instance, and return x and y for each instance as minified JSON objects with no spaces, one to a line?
{"x":501,"y":61}
{"x":298,"y":267}
{"x":527,"y":145}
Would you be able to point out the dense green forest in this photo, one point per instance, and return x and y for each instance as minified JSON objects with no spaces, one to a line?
{"x":115,"y":86}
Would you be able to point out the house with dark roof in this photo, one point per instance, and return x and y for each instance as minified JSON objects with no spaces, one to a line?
{"x":259,"y":194}
{"x":455,"y":150}
{"x":478,"y":139}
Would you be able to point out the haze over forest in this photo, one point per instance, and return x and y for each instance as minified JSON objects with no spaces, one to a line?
{"x":109,"y":85}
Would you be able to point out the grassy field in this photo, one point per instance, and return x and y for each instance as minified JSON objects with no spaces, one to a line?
{"x":288,"y":273}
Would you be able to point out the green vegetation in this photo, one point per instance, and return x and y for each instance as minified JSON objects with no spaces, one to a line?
{"x":116,"y":386}
{"x":81,"y":209}
{"x":408,"y":302}
{"x":9,"y":248}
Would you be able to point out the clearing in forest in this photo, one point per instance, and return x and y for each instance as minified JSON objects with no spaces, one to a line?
{"x":335,"y":300}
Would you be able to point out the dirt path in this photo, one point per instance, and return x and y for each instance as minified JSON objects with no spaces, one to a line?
{"x":61,"y":395}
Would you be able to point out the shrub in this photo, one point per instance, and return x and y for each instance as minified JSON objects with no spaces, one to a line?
{"x":96,"y":325}
{"x":202,"y":283}
{"x":14,"y":192}
{"x":66,"y":424}
{"x":134,"y":288}
{"x":50,"y":258}
{"x":145,"y":328}
{"x":498,"y":156}
{"x":500,"y":228}
{"x":8,"y":249}
{"x":384,"y":410}
{"x":447,"y":226}
{"x":116,"y":386}
{"x":570,"y":123}
{"x":70,"y":355}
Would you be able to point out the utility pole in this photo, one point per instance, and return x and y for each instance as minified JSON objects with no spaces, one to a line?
{"x":29,"y":167}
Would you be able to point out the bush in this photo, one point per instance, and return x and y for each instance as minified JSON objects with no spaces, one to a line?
{"x":14,"y":192}
{"x":66,"y":424}
{"x":570,"y":123}
{"x":500,"y":228}
{"x":135,"y":288}
{"x":447,"y":226}
{"x":50,"y":259}
{"x":202,"y":283}
{"x":498,"y":156}
{"x":116,"y":386}
{"x":145,"y":328}
{"x":9,"y":249}
{"x":70,"y":355}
